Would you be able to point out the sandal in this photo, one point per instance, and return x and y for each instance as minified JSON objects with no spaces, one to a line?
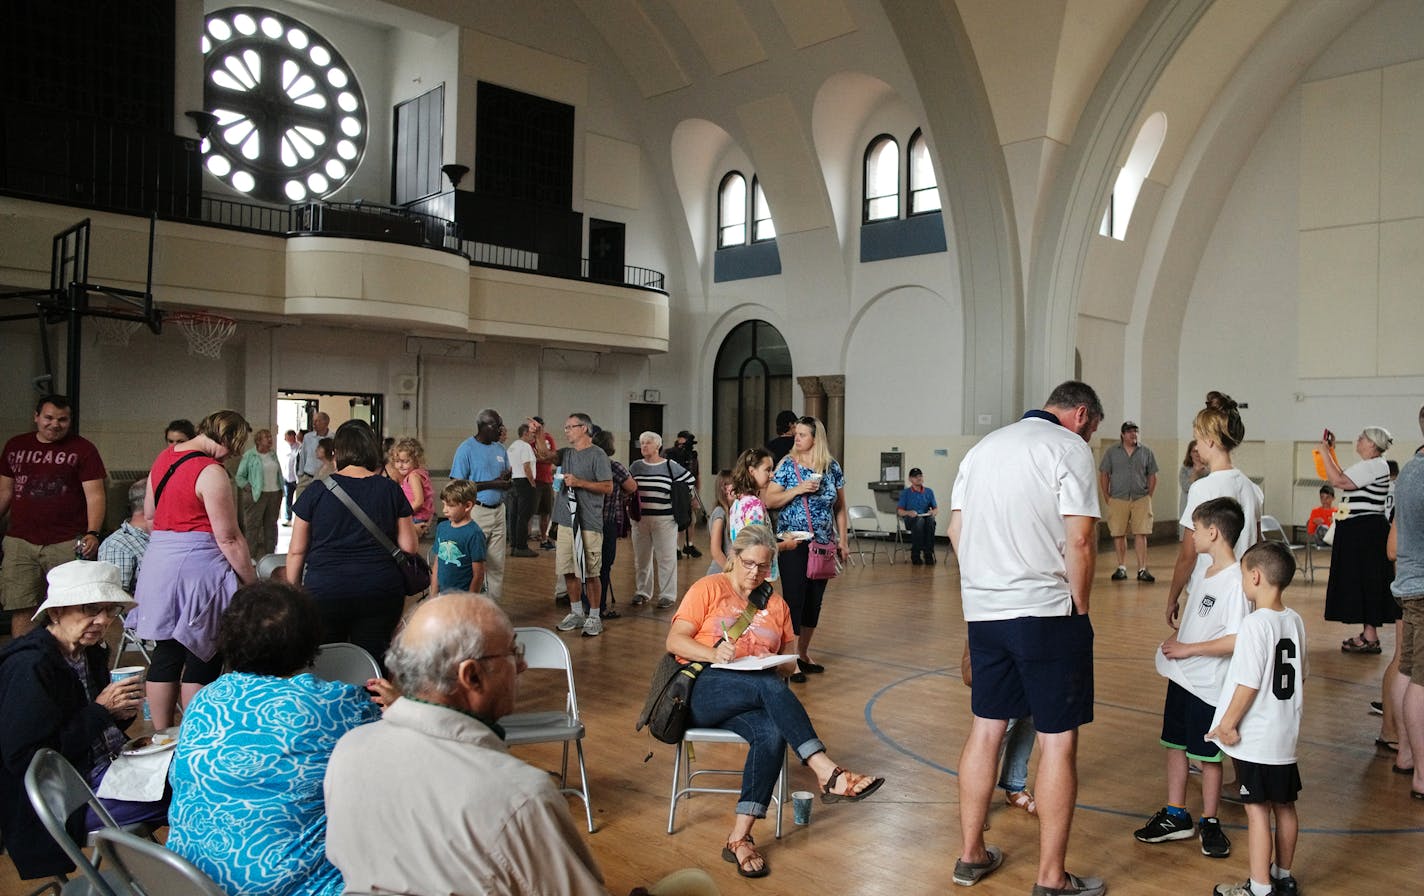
{"x":729,"y":852}
{"x":1358,"y":644}
{"x":1390,"y":745}
{"x":1022,"y":800}
{"x":851,"y":795}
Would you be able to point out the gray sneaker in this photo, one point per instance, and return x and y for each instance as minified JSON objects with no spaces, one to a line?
{"x":666,"y":602}
{"x":570,"y":622}
{"x":1074,"y":886}
{"x":592,"y":627}
{"x":967,"y":874}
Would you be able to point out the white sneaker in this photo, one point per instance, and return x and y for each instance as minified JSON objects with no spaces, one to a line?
{"x":593,"y":627}
{"x":666,"y":602}
{"x":570,"y":622}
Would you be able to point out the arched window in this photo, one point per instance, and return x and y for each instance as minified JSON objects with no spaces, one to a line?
{"x":732,"y":211}
{"x":882,"y":179}
{"x":291,"y":118}
{"x":762,"y":227}
{"x":924,"y":191}
{"x":751,"y":385}
{"x":1130,"y":178}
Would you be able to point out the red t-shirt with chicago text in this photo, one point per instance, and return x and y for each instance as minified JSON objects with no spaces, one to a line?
{"x":49,"y":505}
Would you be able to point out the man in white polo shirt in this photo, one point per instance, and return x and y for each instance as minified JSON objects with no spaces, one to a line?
{"x":1023,"y":524}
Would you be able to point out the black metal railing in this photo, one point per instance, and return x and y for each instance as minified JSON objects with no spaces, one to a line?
{"x":357,"y":220}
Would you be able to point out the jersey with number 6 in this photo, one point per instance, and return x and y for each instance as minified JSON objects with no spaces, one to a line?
{"x":1269,"y":656}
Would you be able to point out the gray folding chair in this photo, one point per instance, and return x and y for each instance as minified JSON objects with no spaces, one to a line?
{"x":143,"y":868}
{"x":270,"y":565}
{"x":865,"y":526}
{"x":130,"y":642}
{"x":683,"y":774}
{"x":345,"y":662}
{"x":56,"y":791}
{"x":1272,"y":530}
{"x":543,"y":649}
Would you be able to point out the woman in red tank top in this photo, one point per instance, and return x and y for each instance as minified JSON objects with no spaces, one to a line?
{"x":196,"y":559}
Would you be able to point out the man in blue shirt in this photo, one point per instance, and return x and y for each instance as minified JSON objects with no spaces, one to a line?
{"x":482,"y":460}
{"x":918,"y":509}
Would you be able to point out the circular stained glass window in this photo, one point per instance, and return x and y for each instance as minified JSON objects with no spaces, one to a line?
{"x":291,"y":120}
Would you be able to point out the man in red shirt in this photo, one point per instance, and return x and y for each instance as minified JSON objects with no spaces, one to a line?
{"x":52,"y":483}
{"x":546,"y":455}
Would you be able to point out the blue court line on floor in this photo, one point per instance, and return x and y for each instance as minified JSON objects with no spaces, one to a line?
{"x":1087,"y":807}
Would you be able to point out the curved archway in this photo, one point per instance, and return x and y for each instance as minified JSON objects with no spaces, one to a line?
{"x":696,"y":146}
{"x":751,"y":383}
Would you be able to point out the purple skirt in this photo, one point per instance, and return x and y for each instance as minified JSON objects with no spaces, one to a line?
{"x":184,"y":586}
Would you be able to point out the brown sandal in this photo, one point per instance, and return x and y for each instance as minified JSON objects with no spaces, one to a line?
{"x":729,"y":852}
{"x":851,"y":795}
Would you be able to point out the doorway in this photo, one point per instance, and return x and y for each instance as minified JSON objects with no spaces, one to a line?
{"x":296,"y":408}
{"x":642,"y":418}
{"x":605,"y":250}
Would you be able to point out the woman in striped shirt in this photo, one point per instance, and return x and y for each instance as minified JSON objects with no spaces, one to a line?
{"x":655,"y":535}
{"x":1360,"y":573}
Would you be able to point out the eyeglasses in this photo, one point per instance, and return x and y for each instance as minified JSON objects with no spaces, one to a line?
{"x":569,"y":426}
{"x":762,"y":568}
{"x":96,"y":610}
{"x":516,"y":651}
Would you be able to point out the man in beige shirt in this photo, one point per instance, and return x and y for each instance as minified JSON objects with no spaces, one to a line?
{"x":428,"y":800}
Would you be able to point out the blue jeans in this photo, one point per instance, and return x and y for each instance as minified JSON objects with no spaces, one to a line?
{"x":761,"y":708}
{"x":1018,"y":747}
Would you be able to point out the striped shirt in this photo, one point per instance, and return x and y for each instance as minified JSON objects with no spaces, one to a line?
{"x":655,"y":485}
{"x":1372,"y":477}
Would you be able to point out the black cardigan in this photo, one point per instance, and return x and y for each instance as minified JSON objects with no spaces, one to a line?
{"x":43,"y":704}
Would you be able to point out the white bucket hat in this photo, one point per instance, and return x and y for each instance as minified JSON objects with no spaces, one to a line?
{"x":80,"y":582}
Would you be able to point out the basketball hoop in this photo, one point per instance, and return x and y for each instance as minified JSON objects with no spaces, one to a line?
{"x":116,"y":331}
{"x":205,"y":332}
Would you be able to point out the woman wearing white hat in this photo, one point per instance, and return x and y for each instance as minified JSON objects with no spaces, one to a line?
{"x":55,"y":692}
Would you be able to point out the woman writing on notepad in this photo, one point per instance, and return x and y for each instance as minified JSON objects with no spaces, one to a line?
{"x":735,"y":614}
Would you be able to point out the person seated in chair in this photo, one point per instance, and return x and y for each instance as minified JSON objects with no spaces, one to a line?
{"x":918,"y":509}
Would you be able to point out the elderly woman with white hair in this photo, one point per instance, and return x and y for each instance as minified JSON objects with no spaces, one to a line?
{"x":1360,"y":572}
{"x":55,"y":692}
{"x":655,"y":533}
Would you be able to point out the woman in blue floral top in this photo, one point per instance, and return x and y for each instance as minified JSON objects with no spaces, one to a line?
{"x":808,"y":488}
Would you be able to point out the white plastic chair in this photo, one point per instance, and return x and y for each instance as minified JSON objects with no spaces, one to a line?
{"x":543,"y":649}
{"x":683,"y":786}
{"x":345,"y":662}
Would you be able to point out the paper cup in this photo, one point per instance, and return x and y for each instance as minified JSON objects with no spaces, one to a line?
{"x":801,"y":806}
{"x":126,"y":672}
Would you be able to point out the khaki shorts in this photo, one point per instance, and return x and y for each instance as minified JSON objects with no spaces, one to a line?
{"x":23,"y":576}
{"x":1133,"y":517}
{"x":592,"y":554}
{"x":1411,"y":649}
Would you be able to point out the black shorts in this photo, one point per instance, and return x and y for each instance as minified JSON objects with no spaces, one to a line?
{"x":171,"y":661}
{"x":1262,"y":783}
{"x":1040,"y":666}
{"x":1186,"y":719}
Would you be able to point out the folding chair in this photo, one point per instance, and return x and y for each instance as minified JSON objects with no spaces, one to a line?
{"x":543,"y":649}
{"x":865,"y":524}
{"x":269,"y":567}
{"x":143,"y":868}
{"x":683,"y":786}
{"x":345,"y":662}
{"x":1271,"y":530}
{"x":130,"y":641}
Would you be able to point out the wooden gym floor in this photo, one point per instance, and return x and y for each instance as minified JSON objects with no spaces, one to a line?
{"x":891,"y":702}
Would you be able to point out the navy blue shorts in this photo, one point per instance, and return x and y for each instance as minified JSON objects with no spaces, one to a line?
{"x":1267,"y":783}
{"x":1040,"y":666}
{"x":1186,"y":719}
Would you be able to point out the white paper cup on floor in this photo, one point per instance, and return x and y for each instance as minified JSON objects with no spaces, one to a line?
{"x":801,"y":806}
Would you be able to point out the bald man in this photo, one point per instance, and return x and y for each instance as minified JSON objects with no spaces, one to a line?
{"x":473,"y":818}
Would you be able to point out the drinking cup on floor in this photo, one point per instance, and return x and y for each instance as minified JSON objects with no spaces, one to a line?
{"x":801,"y":806}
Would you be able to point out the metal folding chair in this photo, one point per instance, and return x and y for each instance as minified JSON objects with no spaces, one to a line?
{"x":143,"y":868}
{"x":683,"y":786}
{"x":345,"y":662}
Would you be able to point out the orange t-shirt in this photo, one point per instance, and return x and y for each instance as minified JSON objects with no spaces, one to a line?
{"x":711,"y":603}
{"x":1320,"y":516}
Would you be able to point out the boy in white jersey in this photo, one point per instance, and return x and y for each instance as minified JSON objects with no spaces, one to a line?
{"x":1258,"y":721}
{"x":1194,"y":662}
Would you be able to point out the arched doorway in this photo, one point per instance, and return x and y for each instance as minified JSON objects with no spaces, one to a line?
{"x":751,"y":383}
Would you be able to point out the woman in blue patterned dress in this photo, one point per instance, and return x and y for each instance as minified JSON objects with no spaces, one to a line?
{"x":247,"y":776}
{"x":809,"y":489}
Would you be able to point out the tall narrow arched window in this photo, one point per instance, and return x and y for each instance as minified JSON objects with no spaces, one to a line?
{"x":1129,"y":180}
{"x":924,"y":190}
{"x":732,"y":210}
{"x":762,"y":227}
{"x":751,"y":385}
{"x":882,"y":179}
